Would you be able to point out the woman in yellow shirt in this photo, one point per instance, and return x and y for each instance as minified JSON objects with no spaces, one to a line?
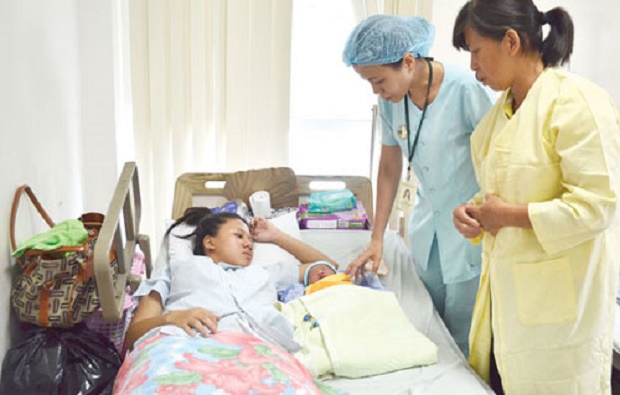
{"x":547,"y":161}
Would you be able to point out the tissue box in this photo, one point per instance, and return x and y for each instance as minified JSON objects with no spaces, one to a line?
{"x":331,"y":201}
{"x":348,"y":219}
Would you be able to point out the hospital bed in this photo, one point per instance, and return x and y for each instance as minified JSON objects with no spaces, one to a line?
{"x":120,"y":232}
{"x":450,"y":375}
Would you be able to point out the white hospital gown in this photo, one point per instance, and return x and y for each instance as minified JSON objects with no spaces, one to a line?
{"x":225,"y":290}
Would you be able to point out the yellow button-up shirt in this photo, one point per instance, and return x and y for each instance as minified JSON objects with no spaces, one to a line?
{"x":547,"y":294}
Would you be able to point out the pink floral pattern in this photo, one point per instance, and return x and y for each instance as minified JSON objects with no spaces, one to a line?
{"x":225,"y":363}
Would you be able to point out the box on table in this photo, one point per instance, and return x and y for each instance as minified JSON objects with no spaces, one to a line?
{"x":348,"y":219}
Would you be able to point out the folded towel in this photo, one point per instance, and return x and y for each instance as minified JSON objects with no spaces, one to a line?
{"x":68,"y":233}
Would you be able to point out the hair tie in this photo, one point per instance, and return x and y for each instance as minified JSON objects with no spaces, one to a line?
{"x":542,"y":16}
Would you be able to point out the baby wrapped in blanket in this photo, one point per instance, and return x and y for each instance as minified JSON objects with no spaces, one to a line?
{"x":353,"y":331}
{"x":320,"y":275}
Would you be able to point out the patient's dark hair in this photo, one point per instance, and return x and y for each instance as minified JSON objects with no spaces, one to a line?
{"x":493,"y":18}
{"x":206,"y":223}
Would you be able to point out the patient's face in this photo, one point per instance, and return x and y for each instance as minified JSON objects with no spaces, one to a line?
{"x":233,"y":244}
{"x":319,"y":272}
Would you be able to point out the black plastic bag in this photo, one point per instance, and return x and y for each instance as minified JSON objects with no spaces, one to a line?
{"x":60,"y":361}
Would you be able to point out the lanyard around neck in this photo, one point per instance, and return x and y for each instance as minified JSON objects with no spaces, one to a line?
{"x":417,"y":135}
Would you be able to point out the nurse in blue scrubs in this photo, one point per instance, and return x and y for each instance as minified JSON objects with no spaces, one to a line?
{"x":428,"y":111}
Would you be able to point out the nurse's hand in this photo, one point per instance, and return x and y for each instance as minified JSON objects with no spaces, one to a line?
{"x":465,"y":222}
{"x":372,"y":254}
{"x":192,"y":320}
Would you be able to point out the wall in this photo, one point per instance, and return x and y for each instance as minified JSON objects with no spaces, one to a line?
{"x":57,"y":112}
{"x":596,"y":38}
{"x":99,"y":164}
{"x":60,"y":116}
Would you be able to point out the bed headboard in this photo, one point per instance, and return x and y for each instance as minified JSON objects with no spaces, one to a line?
{"x":120,"y":233}
{"x":209,"y":189}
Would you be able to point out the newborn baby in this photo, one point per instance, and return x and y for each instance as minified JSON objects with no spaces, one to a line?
{"x":321,"y":274}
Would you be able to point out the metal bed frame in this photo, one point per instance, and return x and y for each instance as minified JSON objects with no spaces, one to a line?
{"x":190,"y":186}
{"x":120,"y":233}
{"x":120,"y":230}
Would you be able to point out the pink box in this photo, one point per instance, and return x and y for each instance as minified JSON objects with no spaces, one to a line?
{"x":349,"y":219}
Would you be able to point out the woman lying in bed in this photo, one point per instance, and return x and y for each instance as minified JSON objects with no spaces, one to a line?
{"x":211,"y":317}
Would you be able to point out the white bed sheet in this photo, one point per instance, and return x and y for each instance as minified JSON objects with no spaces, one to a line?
{"x":451,"y":375}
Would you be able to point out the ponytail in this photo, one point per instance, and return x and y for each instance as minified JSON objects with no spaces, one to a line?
{"x":192,"y":216}
{"x":493,"y":18}
{"x":558,"y":46}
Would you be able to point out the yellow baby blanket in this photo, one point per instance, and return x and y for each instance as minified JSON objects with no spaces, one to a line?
{"x":326,"y":282}
{"x":355,"y":331}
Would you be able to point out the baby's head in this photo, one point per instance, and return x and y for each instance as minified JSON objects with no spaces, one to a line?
{"x":317,"y":271}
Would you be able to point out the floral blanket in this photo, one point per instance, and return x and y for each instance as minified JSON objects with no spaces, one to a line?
{"x":224,"y":363}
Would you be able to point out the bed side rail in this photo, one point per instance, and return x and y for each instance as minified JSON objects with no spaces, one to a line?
{"x":120,"y":232}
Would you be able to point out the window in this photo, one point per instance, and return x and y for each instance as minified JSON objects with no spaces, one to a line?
{"x":331,"y":106}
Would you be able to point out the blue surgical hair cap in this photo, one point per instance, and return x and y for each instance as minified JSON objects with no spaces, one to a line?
{"x":385,"y":39}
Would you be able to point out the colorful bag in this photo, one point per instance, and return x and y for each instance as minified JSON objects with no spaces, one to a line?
{"x":56,"y":288}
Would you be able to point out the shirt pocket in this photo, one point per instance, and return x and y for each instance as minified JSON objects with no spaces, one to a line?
{"x":545,"y":292}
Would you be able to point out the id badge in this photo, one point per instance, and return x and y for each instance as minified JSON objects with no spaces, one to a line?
{"x":406,"y":195}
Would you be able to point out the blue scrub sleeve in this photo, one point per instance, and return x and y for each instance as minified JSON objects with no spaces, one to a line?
{"x":477,"y":103}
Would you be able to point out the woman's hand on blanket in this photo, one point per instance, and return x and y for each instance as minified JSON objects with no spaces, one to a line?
{"x":264,"y":231}
{"x":371,"y":255}
{"x":192,"y":320}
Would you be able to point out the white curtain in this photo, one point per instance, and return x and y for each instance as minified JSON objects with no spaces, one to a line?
{"x":210,"y":86}
{"x":364,"y":8}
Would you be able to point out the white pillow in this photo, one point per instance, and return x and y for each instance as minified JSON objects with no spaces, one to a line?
{"x":178,"y":248}
{"x":267,"y":253}
{"x":264,"y":253}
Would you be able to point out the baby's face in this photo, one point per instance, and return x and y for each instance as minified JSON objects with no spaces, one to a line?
{"x":319,"y":272}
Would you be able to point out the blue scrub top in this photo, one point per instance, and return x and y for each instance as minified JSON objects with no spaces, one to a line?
{"x":442,"y":163}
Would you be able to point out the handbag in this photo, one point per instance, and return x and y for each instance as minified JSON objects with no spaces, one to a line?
{"x":56,"y":288}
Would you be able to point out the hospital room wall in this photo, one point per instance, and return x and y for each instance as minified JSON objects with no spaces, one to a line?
{"x":61,"y":118}
{"x":596,"y":46}
{"x":58,"y":118}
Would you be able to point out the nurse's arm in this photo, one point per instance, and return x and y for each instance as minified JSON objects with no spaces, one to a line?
{"x":388,"y":178}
